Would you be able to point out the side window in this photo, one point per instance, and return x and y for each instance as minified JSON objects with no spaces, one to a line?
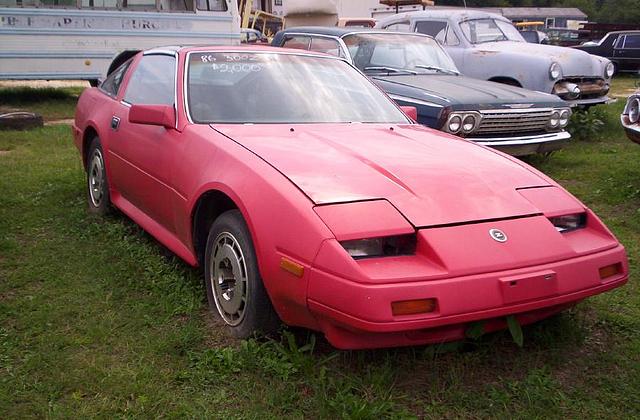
{"x":111,"y":85}
{"x":325,"y":45}
{"x":632,"y":41}
{"x":152,"y":81}
{"x":399,"y":26}
{"x":434,"y":28}
{"x":297,"y":42}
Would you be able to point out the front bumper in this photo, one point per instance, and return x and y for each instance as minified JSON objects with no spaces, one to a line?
{"x":582,"y":91}
{"x":632,"y":130}
{"x":356,"y":315}
{"x":526,"y":145}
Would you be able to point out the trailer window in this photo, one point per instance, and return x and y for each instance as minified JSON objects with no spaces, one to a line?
{"x":139,"y":4}
{"x":212,"y":5}
{"x":61,"y":3}
{"x":100,"y":4}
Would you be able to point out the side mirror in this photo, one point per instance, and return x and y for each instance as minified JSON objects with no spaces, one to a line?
{"x":411,"y":111}
{"x":162,"y":115}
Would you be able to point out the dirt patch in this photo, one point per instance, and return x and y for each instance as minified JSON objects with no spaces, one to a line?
{"x":4,"y":152}
{"x":65,"y":121}
{"x":218,"y":335}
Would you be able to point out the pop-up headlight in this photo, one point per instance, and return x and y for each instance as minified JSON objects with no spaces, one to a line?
{"x":387,"y":246}
{"x":569,"y":222}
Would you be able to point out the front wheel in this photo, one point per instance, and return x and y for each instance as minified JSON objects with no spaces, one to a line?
{"x":234,"y":287}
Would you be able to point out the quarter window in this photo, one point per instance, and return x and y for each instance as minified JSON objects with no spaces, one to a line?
{"x":619,"y":42}
{"x":111,"y":85}
{"x":451,"y":39}
{"x":152,"y":81}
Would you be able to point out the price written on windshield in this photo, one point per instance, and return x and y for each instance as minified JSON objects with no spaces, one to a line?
{"x":232,"y":63}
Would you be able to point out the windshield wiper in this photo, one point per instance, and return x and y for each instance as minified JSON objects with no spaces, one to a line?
{"x":389,"y":70}
{"x":438,"y":69}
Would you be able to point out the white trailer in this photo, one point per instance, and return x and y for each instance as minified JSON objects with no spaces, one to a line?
{"x":78,"y":39}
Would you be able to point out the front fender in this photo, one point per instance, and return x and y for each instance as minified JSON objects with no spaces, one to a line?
{"x":279,"y":216}
{"x":530,"y":72}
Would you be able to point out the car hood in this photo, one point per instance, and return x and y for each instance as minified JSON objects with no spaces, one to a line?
{"x":573,"y":62}
{"x":432,"y":178}
{"x":460,"y":90}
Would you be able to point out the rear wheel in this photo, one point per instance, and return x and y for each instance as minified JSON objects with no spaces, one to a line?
{"x":97,"y":185}
{"x":234,"y":287}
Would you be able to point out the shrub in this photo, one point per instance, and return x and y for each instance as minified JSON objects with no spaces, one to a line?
{"x":587,"y":124}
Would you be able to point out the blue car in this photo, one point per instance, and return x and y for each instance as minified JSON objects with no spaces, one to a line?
{"x":414,"y":70}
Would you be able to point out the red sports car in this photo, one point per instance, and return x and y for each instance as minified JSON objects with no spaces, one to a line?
{"x":310,"y":198}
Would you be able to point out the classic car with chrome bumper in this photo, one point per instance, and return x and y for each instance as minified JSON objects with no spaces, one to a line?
{"x":487,"y":46}
{"x":631,"y":118}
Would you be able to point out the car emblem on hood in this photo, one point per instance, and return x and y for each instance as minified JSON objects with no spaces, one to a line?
{"x":498,"y":235}
{"x":518,"y":106}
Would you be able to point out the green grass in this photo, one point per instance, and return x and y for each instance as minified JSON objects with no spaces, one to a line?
{"x":97,"y":319}
{"x":51,"y":103}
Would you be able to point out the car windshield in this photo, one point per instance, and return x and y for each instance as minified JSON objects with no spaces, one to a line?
{"x":478,"y":31}
{"x":398,"y":54}
{"x":263,"y":88}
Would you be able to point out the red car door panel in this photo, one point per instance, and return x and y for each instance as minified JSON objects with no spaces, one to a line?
{"x":142,"y":155}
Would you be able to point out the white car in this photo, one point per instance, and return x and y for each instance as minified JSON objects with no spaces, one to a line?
{"x":487,"y":46}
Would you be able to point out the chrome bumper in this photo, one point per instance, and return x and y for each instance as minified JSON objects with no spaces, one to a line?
{"x":526,"y":145}
{"x":632,"y":130}
{"x":593,"y":101}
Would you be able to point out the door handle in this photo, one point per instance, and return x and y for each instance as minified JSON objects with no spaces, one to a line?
{"x":115,"y":122}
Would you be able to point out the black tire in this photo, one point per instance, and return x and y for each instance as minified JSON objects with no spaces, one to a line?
{"x":20,"y":121}
{"x":98,"y":199}
{"x":239,"y":297}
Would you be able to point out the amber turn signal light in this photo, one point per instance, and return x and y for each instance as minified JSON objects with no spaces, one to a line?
{"x":610,"y":270}
{"x":411,"y":307}
{"x":292,"y":267}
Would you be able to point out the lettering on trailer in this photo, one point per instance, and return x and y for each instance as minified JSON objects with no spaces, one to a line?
{"x":113,"y":23}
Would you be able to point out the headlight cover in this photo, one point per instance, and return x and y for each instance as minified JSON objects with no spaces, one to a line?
{"x":634,"y":110}
{"x":454,"y":124}
{"x":609,"y":70}
{"x":469,"y":123}
{"x":464,"y":122}
{"x":554,"y":119}
{"x":555,"y":71}
{"x":565,"y":114}
{"x":569,"y":222}
{"x":387,"y":246}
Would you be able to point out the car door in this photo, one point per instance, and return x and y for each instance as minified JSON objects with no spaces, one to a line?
{"x":628,"y":56}
{"x":142,"y":156}
{"x":618,"y":54}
